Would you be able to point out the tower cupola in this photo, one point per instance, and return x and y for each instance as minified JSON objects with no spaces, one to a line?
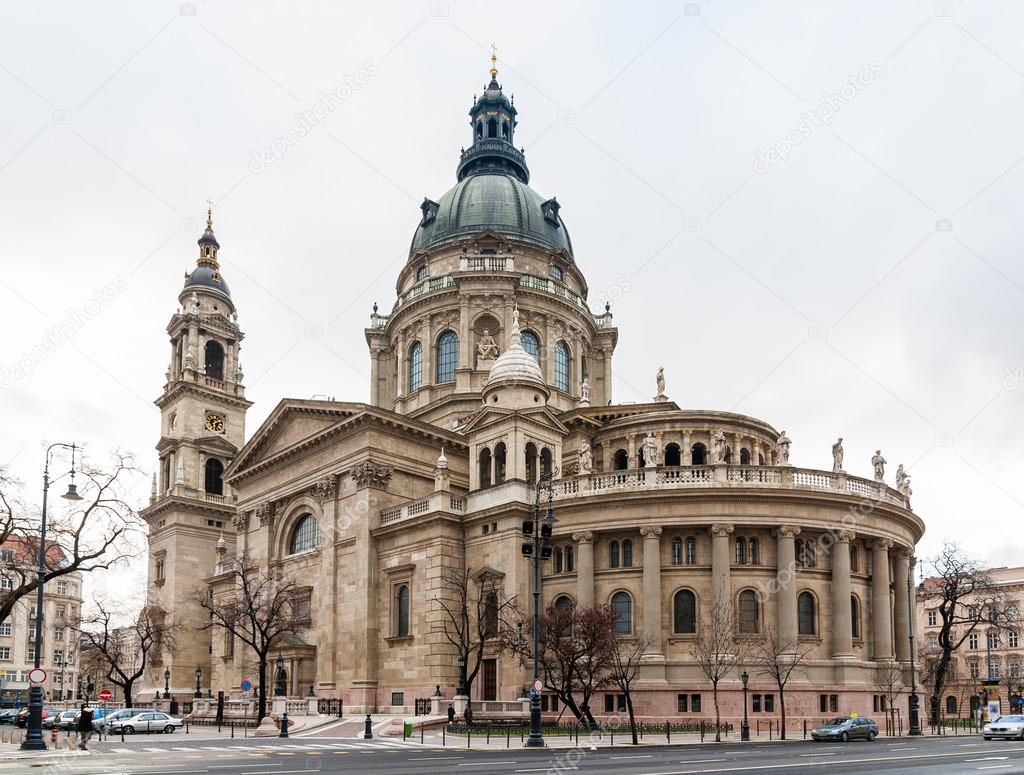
{"x":493,"y":121}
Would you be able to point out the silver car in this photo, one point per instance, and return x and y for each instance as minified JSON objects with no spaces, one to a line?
{"x":1004,"y":728}
{"x":150,"y":721}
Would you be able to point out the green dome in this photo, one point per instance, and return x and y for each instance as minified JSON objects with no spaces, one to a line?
{"x":498,"y":201}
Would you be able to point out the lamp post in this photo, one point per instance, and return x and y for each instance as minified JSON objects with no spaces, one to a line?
{"x":745,"y":727}
{"x":462,"y":675}
{"x":199,"y":692}
{"x":915,"y":712}
{"x":279,"y":677}
{"x":167,"y":683}
{"x":537,"y":549}
{"x":34,"y":727}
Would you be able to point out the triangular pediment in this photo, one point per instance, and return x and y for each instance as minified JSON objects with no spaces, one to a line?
{"x":488,"y":416}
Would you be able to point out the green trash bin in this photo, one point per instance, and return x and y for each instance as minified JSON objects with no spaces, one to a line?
{"x":407,"y":732}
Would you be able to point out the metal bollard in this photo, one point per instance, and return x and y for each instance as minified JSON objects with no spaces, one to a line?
{"x":508,"y":736}
{"x":421,"y":733}
{"x":232,"y":730}
{"x":469,"y":736}
{"x":668,"y":733}
{"x":805,"y":729}
{"x":284,"y":725}
{"x":368,"y":729}
{"x":443,"y":741}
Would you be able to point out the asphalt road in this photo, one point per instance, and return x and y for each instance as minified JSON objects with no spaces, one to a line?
{"x":920,"y":756}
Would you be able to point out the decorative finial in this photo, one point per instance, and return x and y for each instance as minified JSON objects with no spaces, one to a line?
{"x":442,"y":461}
{"x":375,"y":308}
{"x":494,"y":61}
{"x":209,"y":214}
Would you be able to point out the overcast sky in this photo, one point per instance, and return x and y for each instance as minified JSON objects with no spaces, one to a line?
{"x":807,"y":214}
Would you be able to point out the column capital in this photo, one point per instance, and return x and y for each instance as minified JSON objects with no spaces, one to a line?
{"x":650,"y":533}
{"x":844,"y":536}
{"x":903,"y":553}
{"x":721,"y":530}
{"x":787,"y":531}
{"x":881,"y":544}
{"x":583,"y":537}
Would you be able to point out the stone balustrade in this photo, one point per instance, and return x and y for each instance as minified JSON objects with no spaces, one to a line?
{"x":444,"y":502}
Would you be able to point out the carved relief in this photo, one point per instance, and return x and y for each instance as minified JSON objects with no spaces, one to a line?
{"x":583,"y":537}
{"x":721,"y":531}
{"x":845,"y":536}
{"x":324,"y":489}
{"x":651,"y":532}
{"x":264,"y":512}
{"x":788,"y":531}
{"x":369,"y":473}
{"x":241,"y":521}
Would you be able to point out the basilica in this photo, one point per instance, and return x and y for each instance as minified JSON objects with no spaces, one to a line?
{"x":491,"y":371}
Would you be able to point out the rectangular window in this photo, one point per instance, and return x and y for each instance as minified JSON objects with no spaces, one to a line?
{"x":6,"y":555}
{"x":681,"y":703}
{"x":755,"y":703}
{"x":769,"y":703}
{"x":62,"y":611}
{"x":995,"y":669}
{"x":62,"y":587}
{"x":397,"y":699}
{"x":823,"y":703}
{"x":972,"y":641}
{"x":5,"y":652}
{"x":975,"y":671}
{"x":614,"y":702}
{"x":933,"y":618}
{"x":1015,"y":670}
{"x":609,"y":703}
{"x":58,"y":657}
{"x":5,"y":630}
{"x":833,"y":703}
{"x":993,"y":640}
{"x":58,"y":633}
{"x":5,"y":583}
{"x":1012,"y":639}
{"x":31,"y":657}
{"x":874,"y":703}
{"x":544,"y":703}
{"x":695,"y":703}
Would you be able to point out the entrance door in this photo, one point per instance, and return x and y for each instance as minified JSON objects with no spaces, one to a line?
{"x":490,"y":679}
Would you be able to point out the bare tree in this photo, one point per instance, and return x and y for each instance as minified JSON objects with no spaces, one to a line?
{"x":624,"y":668}
{"x":475,"y":610}
{"x":964,"y":597}
{"x":102,"y":531}
{"x":779,"y":660}
{"x":889,"y":681}
{"x":259,"y":609}
{"x":717,"y":652}
{"x":123,"y":653}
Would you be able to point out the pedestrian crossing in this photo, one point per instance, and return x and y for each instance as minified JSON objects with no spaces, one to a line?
{"x":266,"y":748}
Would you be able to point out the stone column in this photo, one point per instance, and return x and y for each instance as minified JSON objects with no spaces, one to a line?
{"x":466,"y":350}
{"x":652,"y":587}
{"x":881,"y":617}
{"x":606,"y":456}
{"x":686,"y":458}
{"x":607,"y":396}
{"x":842,"y":623}
{"x":901,"y":616}
{"x":720,"y":583}
{"x":786,"y":577}
{"x":584,"y":568}
{"x":633,"y":460}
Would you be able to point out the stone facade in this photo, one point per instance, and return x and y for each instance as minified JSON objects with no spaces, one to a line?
{"x":657,"y":503}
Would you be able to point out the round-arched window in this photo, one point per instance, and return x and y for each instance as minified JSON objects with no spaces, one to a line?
{"x":805,"y":613}
{"x":447,"y":356}
{"x":562,"y":366}
{"x":531,"y":344}
{"x":622,"y":605}
{"x":415,"y":367}
{"x":684,"y":612}
{"x":305,"y":535}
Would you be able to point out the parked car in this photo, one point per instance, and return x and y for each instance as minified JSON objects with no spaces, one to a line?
{"x":98,"y":714}
{"x":22,"y":718}
{"x":846,"y":728}
{"x":7,"y":716}
{"x":150,"y":721}
{"x":1004,"y":728}
{"x":63,"y":721}
{"x":101,"y":719}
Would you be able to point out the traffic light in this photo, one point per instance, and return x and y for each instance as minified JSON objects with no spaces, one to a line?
{"x":528,"y":527}
{"x":527,"y":548}
{"x":545,"y":530}
{"x":545,"y":552}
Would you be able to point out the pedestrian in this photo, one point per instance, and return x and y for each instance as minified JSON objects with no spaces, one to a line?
{"x":468,"y":715}
{"x":84,"y":726}
{"x":451,"y":715}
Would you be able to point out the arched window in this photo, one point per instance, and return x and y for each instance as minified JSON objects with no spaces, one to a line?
{"x":728,"y":455}
{"x":621,"y":460}
{"x":672,"y":455}
{"x":214,"y":360}
{"x":684,"y":612}
{"x":557,"y":559}
{"x":485,"y":468}
{"x":491,"y":615}
{"x":447,"y":356}
{"x":760,"y":459}
{"x":622,"y":605}
{"x":744,"y":457}
{"x":627,"y":554}
{"x":415,"y":367}
{"x":531,"y":344}
{"x":806,"y":624}
{"x":305,"y":535}
{"x":677,"y":551}
{"x":563,"y":603}
{"x":504,"y":130}
{"x":951,"y":708}
{"x":499,"y":462}
{"x":545,"y":461}
{"x":570,"y":565}
{"x":691,"y":551}
{"x":531,"y":462}
{"x":854,"y":559}
{"x":754,"y":551}
{"x":613,"y":554}
{"x":562,"y":366}
{"x":699,"y":454}
{"x":749,"y":612}
{"x":214,"y":484}
{"x":564,"y":606}
{"x":492,"y":127}
{"x":480,"y":129}
{"x":855,"y":617}
{"x":741,"y":551}
{"x":402,"y":611}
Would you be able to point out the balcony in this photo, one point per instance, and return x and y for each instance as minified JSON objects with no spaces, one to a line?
{"x":555,"y":288}
{"x":430,"y":285}
{"x":443,"y":502}
{"x":487,"y":264}
{"x":726,"y":476}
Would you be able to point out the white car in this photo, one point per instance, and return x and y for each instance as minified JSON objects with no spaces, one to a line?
{"x":149,"y":721}
{"x":1005,"y":728}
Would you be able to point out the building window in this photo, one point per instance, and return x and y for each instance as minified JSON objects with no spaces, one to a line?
{"x":975,"y":671}
{"x":622,"y":606}
{"x":402,"y":611}
{"x":805,"y":614}
{"x":755,"y":703}
{"x":673,"y":457}
{"x":570,"y":564}
{"x":684,"y":612}
{"x":627,"y":553}
{"x":1012,"y":639}
{"x":557,"y":272}
{"x":58,"y":633}
{"x":695,"y":703}
{"x":615,"y":703}
{"x":933,"y":618}
{"x":214,"y":360}
{"x":422,"y":273}
{"x":951,"y":708}
{"x":214,"y":484}
{"x":1014,"y":669}
{"x":620,"y":461}
{"x":699,"y":454}
{"x":828,"y":703}
{"x":415,"y":367}
{"x":677,"y":551}
{"x":5,"y":583}
{"x":531,"y":344}
{"x":6,"y":555}
{"x":753,"y":551}
{"x":5,"y":630}
{"x":613,"y":554}
{"x":854,"y":617}
{"x":741,"y":551}
{"x":854,"y":559}
{"x":62,"y":587}
{"x":749,"y":618}
{"x":159,"y":571}
{"x":972,"y":641}
{"x":306,"y":535}
{"x":5,"y":653}
{"x":58,"y":657}
{"x":992,"y":640}
{"x":397,"y":699}
{"x":691,"y":551}
{"x":562,"y":366}
{"x":447,"y":356}
{"x":31,"y":656}
{"x":681,"y":703}
{"x":557,"y":561}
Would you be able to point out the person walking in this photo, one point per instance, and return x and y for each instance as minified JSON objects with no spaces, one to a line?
{"x":451,"y":715}
{"x":84,"y":726}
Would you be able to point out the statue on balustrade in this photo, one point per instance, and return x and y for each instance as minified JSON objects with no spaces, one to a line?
{"x":661,"y":381}
{"x":586,"y":458}
{"x":837,"y":456}
{"x":194,"y":303}
{"x":585,"y":393}
{"x":878,"y":463}
{"x":487,"y":348}
{"x":903,"y":482}
{"x":650,"y":450}
{"x":782,"y":449}
{"x":719,"y":446}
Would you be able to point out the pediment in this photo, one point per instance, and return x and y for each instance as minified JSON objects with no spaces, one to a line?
{"x":488,"y":416}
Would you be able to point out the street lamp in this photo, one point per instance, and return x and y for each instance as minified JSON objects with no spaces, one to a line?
{"x":199,"y":692}
{"x":279,"y":677}
{"x":745,"y":728}
{"x":462,"y":675}
{"x":536,"y":551}
{"x":34,"y":735}
{"x":167,"y":683}
{"x":915,"y":712}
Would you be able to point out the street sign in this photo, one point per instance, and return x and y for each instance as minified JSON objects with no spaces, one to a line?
{"x":36,"y":676}
{"x":246,"y":685}
{"x":106,"y":695}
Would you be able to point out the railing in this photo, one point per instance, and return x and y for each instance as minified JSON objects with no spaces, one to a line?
{"x":487,"y":264}
{"x":429,"y":285}
{"x":553,"y":287}
{"x":444,"y":503}
{"x":216,"y":383}
{"x":695,"y":476}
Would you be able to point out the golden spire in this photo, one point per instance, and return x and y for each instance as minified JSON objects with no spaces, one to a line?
{"x":209,"y":215}
{"x":494,"y":61}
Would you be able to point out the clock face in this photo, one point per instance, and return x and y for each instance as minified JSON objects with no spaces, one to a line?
{"x":215,"y":423}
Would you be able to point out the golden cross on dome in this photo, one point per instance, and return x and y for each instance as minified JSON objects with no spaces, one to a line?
{"x":209,"y":213}
{"x":494,"y":61}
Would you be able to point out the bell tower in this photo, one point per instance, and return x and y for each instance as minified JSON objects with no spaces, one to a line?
{"x":202,"y":427}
